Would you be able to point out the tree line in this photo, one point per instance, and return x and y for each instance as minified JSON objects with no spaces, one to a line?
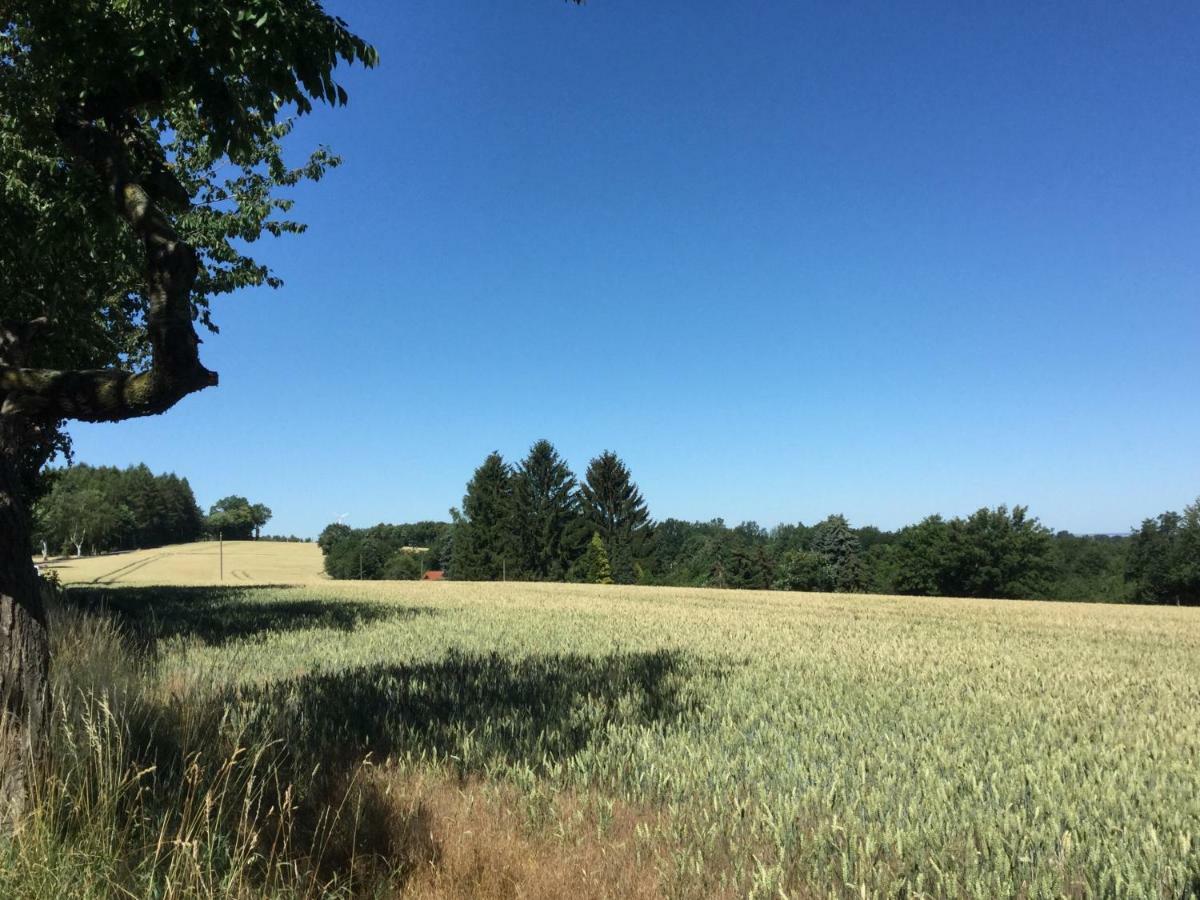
{"x":101,"y":509}
{"x":389,"y":552}
{"x":104,"y":508}
{"x":993,"y":552}
{"x":536,"y":521}
{"x":533,"y":521}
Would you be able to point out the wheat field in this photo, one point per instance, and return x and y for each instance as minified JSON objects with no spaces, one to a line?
{"x":245,"y":562}
{"x":637,"y":741}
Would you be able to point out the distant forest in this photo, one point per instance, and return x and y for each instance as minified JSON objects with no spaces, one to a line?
{"x":535,"y":521}
{"x":103,"y":508}
{"x":99,"y":509}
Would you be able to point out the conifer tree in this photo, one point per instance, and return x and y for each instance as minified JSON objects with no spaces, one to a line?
{"x":547,"y":512}
{"x":614,"y":507}
{"x":595,"y":562}
{"x":836,"y":542}
{"x":484,"y":548}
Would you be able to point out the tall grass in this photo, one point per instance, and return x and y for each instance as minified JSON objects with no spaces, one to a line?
{"x":161,"y":787}
{"x":148,"y":791}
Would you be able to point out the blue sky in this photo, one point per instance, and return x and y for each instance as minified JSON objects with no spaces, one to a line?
{"x":787,"y":259}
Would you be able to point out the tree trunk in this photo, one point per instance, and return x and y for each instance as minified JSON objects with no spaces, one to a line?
{"x":24,"y":645}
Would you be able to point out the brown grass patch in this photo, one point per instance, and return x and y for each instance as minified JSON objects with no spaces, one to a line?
{"x":449,"y":839}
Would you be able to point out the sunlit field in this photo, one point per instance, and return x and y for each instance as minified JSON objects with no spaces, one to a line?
{"x":245,"y":562}
{"x":542,"y":740}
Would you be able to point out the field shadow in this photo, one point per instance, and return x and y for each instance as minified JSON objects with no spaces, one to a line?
{"x":473,"y":709}
{"x":220,"y":615}
{"x":301,"y":743}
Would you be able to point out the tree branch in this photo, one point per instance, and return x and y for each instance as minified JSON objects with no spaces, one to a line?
{"x":110,"y":395}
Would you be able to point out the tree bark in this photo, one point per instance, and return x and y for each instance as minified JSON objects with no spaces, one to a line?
{"x":24,"y":644}
{"x":113,"y":395}
{"x":30,"y":396}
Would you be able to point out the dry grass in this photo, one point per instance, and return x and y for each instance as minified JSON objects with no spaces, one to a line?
{"x":471,"y":840}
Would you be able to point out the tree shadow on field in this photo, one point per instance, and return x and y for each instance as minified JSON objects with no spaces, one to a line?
{"x":258,"y":749}
{"x":475,"y":709}
{"x":477,"y":713}
{"x":221,"y":615}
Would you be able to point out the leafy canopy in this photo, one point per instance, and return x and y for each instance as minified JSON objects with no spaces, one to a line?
{"x":192,"y":100}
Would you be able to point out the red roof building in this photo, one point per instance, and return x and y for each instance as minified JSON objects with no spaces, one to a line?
{"x":433,"y":575}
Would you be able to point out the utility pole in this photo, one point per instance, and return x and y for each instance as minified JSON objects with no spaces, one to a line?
{"x":221,"y":552}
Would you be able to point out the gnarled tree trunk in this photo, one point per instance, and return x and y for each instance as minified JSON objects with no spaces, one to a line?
{"x":31,"y":397}
{"x":24,"y":644}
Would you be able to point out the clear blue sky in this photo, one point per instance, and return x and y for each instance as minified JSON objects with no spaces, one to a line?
{"x":787,"y":259}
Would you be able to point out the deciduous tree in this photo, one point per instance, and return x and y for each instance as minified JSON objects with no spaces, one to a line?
{"x":237,"y":519}
{"x":140,"y":143}
{"x":1164,"y":558}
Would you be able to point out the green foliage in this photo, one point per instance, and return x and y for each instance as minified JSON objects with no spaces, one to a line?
{"x":196,"y":95}
{"x":595,"y":562}
{"x":546,"y":515}
{"x":1090,"y":567}
{"x":106,"y":508}
{"x":236,"y":519}
{"x":384,"y":551}
{"x":331,"y":534}
{"x":805,"y":570}
{"x":991,"y":553}
{"x":1164,"y":558}
{"x":834,"y":541}
{"x":922,"y":563}
{"x":485,"y":545}
{"x":614,"y":507}
{"x":403,"y":565}
{"x":528,"y":524}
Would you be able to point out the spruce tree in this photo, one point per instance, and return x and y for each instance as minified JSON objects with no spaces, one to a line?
{"x":836,"y":542}
{"x":547,"y":513}
{"x":484,"y":548}
{"x":614,"y":507}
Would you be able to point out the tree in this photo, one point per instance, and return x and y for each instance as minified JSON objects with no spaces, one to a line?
{"x":804,"y":570}
{"x":484,"y":540}
{"x":140,"y":142}
{"x":403,"y":565}
{"x":835,"y":542}
{"x":614,"y":507}
{"x":1090,"y":568}
{"x":595,"y":562}
{"x":922,"y":558}
{"x":76,"y":515}
{"x":137,"y":508}
{"x":997,"y":553}
{"x":1164,"y":558}
{"x":236,"y":518}
{"x":332,"y":534}
{"x":991,"y":553}
{"x":260,"y":514}
{"x":547,"y":514}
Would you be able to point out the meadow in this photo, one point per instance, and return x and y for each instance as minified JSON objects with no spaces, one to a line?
{"x":467,"y":739}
